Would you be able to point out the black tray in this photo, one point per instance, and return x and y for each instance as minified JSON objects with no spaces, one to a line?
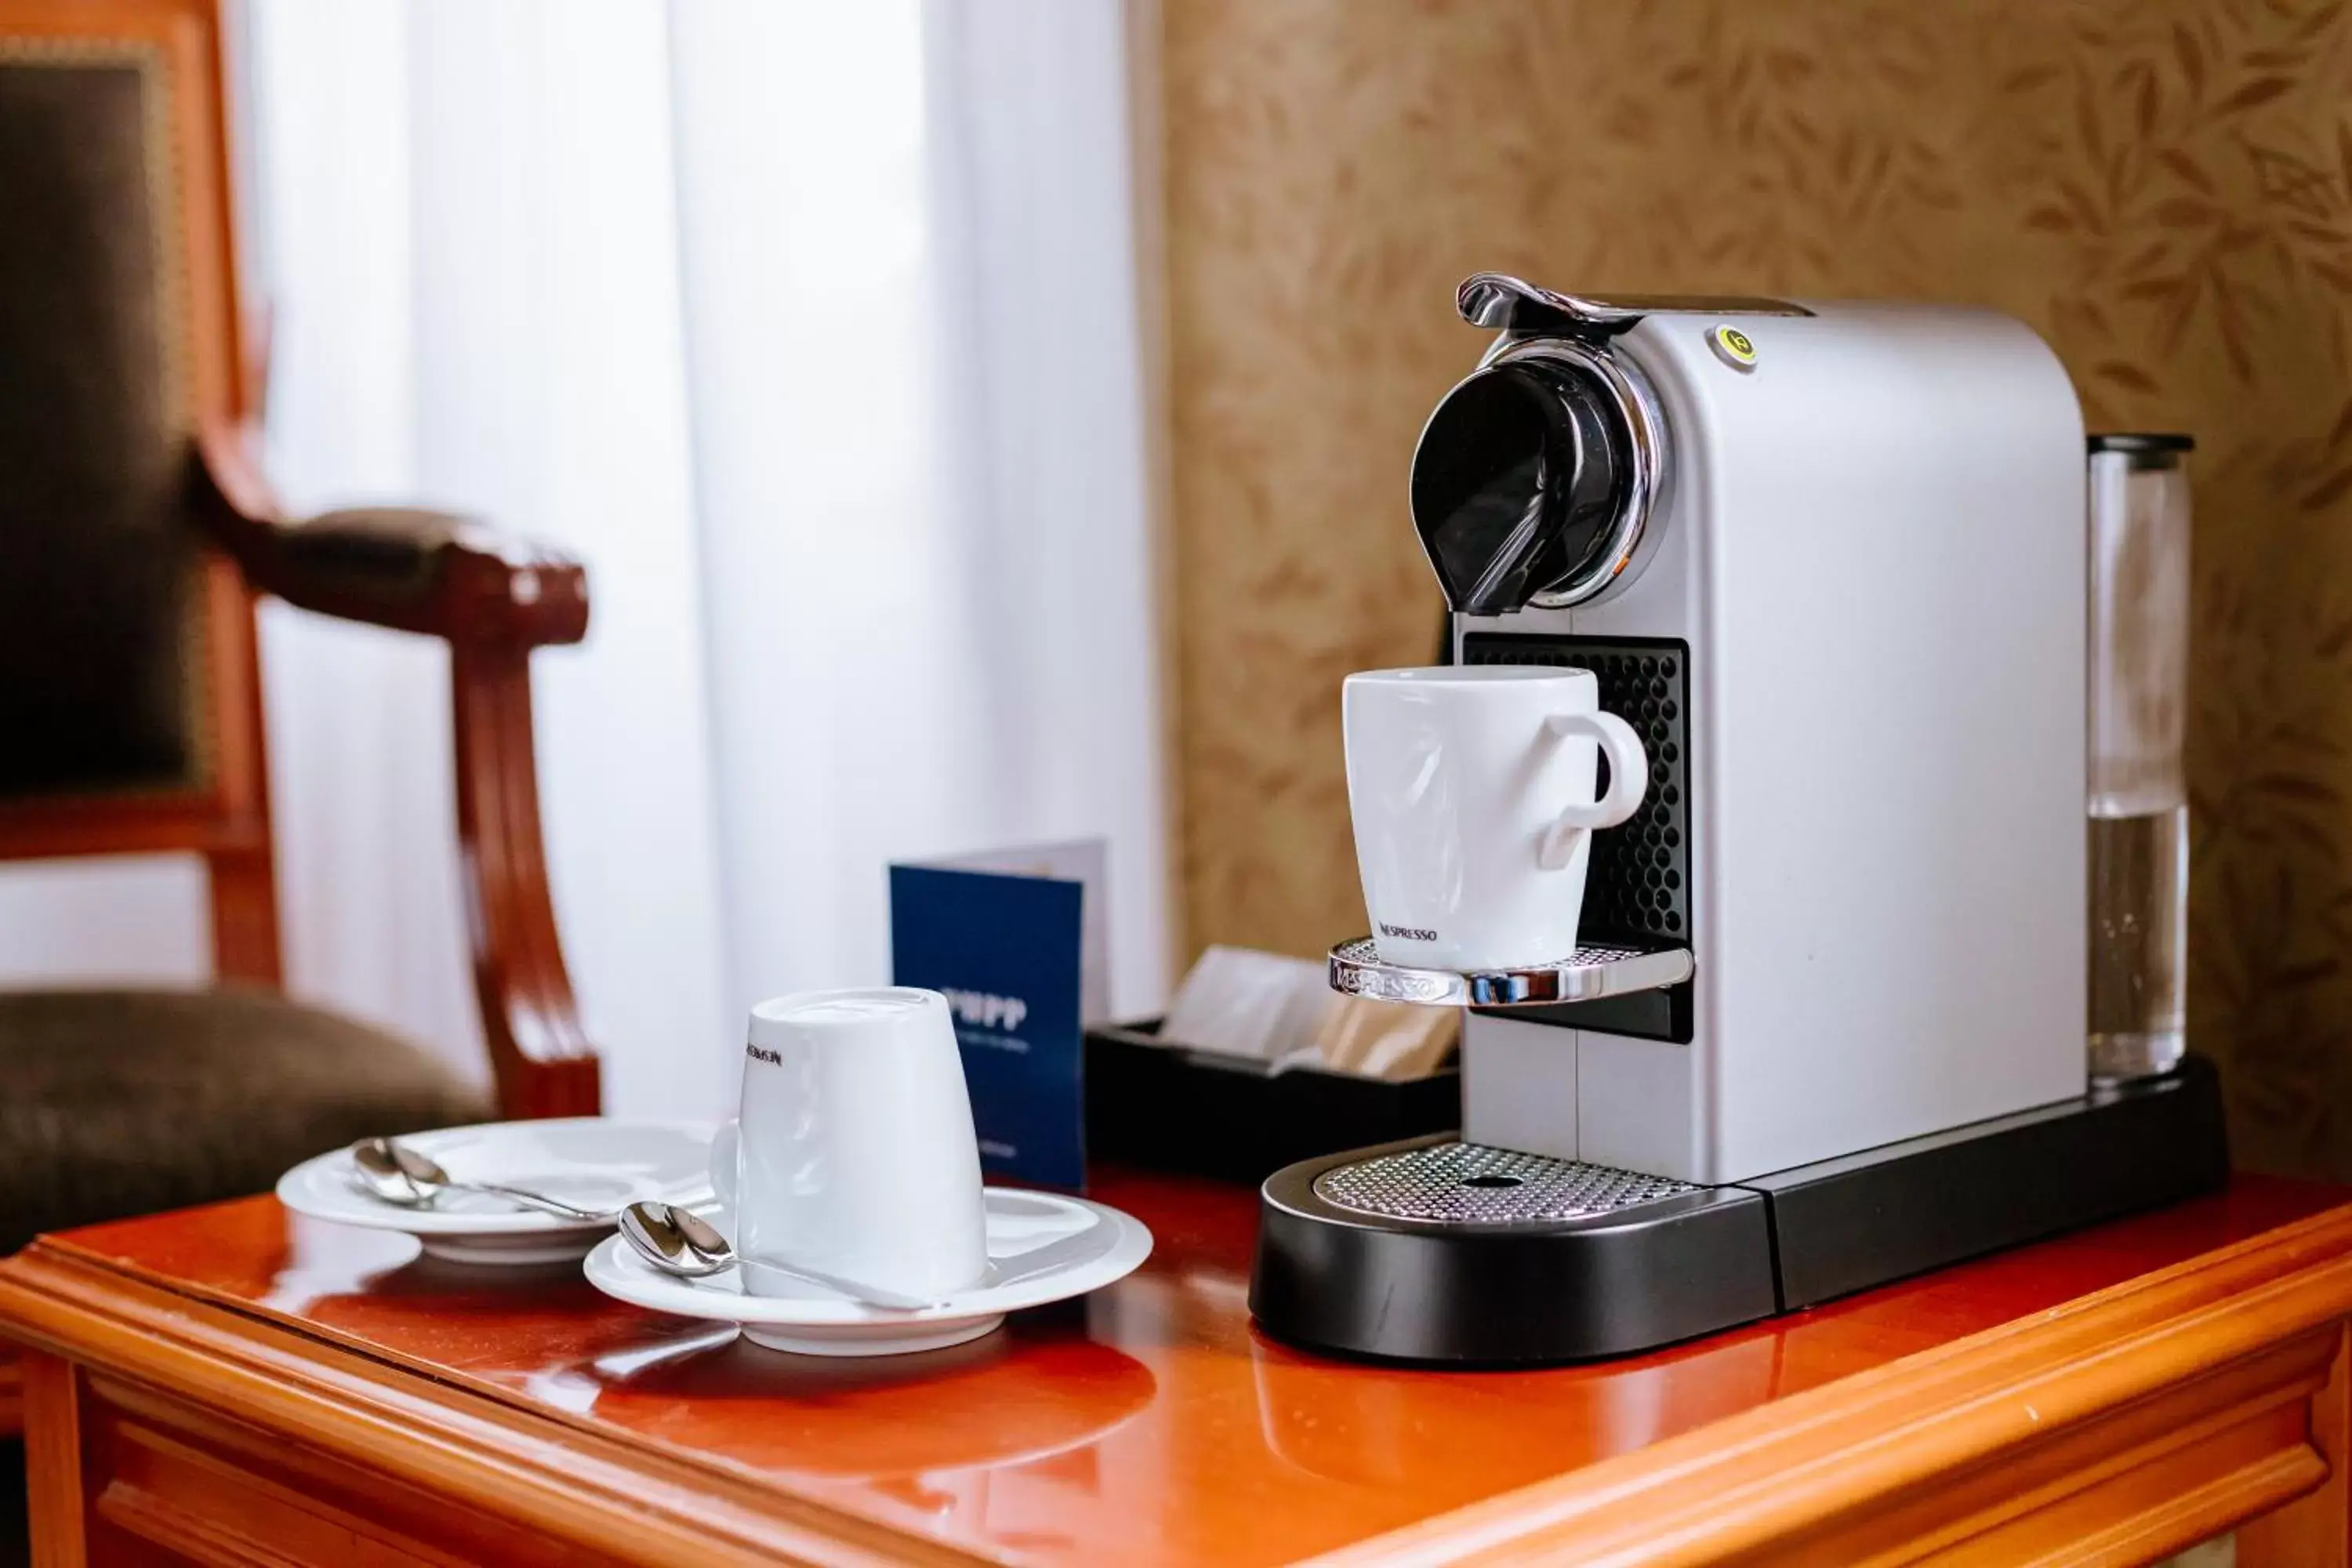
{"x":1166,"y":1108}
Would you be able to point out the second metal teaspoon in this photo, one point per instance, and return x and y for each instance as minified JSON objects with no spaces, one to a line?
{"x":399,"y":1175}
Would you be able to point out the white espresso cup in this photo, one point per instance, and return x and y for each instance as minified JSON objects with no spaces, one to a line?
{"x":854,"y":1154}
{"x":1473,"y":793}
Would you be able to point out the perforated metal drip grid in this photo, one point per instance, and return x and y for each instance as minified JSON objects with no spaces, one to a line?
{"x":1471,"y":1183}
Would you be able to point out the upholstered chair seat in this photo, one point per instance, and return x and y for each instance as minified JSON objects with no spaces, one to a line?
{"x":122,"y":1102}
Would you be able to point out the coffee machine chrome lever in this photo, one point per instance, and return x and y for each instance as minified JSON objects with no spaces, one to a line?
{"x":1505,"y":303}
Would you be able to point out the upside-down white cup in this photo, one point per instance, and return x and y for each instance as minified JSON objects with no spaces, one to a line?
{"x":854,"y":1154}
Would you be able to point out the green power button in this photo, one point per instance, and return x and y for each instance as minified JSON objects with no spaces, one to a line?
{"x":1733,"y":347}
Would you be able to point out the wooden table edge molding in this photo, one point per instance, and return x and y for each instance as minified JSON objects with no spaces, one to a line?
{"x":2071,"y":1429}
{"x":2124,"y":1425}
{"x":80,"y":1318}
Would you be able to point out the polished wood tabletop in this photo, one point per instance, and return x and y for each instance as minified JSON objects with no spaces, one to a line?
{"x":1150,"y":1422}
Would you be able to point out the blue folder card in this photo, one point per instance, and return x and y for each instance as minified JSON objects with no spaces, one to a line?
{"x":1010,"y":952}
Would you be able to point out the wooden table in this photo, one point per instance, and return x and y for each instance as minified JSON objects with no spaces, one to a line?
{"x":230,"y":1385}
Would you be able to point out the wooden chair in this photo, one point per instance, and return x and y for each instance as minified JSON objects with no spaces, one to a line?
{"x":136,"y":531}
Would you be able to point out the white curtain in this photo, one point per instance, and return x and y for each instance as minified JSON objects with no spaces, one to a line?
{"x":812,"y":328}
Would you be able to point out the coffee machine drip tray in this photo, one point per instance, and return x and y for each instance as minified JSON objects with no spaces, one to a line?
{"x":1593,"y":971}
{"x":1440,"y":1251}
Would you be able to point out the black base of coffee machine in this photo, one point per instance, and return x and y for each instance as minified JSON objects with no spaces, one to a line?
{"x":1671,"y":1262}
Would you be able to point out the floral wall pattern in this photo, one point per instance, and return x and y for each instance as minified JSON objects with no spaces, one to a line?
{"x":2162,"y":187}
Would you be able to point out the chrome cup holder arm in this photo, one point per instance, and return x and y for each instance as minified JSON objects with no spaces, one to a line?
{"x":1595,"y":970}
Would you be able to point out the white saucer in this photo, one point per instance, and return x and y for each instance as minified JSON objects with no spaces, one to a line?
{"x":593,"y":1161}
{"x":1091,"y":1247}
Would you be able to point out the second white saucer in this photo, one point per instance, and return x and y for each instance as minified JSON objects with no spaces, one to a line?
{"x":1042,"y":1247}
{"x":596,"y":1162}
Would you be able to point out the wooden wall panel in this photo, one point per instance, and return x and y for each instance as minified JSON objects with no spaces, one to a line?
{"x":2163,"y":187}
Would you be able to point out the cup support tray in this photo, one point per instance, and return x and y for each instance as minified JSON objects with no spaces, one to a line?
{"x":1593,"y":971}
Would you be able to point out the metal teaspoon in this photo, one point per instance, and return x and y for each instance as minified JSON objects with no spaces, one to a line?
{"x":678,"y":1241}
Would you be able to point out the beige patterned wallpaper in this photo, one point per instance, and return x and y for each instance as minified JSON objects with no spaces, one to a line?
{"x":2163,"y":187}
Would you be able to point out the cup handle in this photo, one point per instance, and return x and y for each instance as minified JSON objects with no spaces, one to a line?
{"x":724,"y":1144}
{"x":1629,"y":780}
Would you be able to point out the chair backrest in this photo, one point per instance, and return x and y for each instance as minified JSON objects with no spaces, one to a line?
{"x":129,"y":712}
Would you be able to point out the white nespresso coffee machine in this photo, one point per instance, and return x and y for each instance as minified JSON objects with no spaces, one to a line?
{"x":1825,"y":1025}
